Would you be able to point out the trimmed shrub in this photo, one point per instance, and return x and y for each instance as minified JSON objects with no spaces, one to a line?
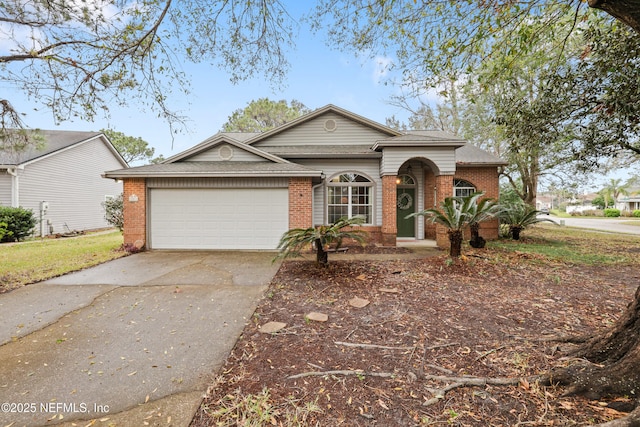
{"x":612,"y":213}
{"x":636,"y":213}
{"x":113,"y":211}
{"x":19,"y":222}
{"x":3,"y":230}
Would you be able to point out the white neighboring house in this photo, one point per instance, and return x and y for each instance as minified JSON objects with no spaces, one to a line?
{"x":628,"y":203}
{"x":61,"y":180}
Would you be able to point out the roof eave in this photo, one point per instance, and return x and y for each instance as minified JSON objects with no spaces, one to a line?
{"x":282,"y":174}
{"x":430,"y":144}
{"x":375,"y":155}
{"x":476,"y":164}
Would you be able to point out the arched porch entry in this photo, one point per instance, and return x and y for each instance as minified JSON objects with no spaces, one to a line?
{"x":419,"y":186}
{"x":431,"y":162}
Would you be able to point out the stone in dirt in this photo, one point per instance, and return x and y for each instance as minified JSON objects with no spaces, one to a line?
{"x":390,"y":290}
{"x":271,"y":327}
{"x":358,"y":302}
{"x":317,"y":317}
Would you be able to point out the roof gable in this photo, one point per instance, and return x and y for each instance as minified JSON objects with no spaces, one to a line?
{"x":53,"y":142}
{"x":223,"y":147}
{"x":325,"y":126}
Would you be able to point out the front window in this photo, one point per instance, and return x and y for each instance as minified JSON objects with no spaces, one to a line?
{"x":463,"y":188}
{"x":349,"y":195}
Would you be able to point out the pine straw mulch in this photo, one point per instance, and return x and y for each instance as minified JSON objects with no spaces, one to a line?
{"x":390,"y":362}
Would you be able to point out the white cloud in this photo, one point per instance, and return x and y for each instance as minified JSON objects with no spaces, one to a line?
{"x":381,"y":67}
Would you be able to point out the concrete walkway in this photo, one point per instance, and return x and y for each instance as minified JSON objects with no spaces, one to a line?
{"x":131,"y":341}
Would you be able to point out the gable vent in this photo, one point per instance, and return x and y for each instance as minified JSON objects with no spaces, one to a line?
{"x":330,"y":125}
{"x":225,"y":152}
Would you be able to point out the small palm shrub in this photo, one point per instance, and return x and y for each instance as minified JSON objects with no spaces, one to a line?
{"x":456,"y":213}
{"x":636,"y":213}
{"x":520,"y":216}
{"x":294,"y":241}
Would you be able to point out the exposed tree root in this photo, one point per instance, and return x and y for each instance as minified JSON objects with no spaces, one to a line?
{"x":631,"y":420}
{"x":457,"y":382}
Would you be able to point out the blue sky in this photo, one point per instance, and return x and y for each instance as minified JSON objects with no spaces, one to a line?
{"x":318,"y":76}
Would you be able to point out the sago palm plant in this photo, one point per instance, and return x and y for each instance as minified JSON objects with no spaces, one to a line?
{"x":520,"y":216}
{"x":456,"y":213}
{"x":294,"y":241}
{"x":479,"y":211}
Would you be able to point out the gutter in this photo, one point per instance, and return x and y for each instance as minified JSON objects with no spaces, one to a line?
{"x":284,"y":174}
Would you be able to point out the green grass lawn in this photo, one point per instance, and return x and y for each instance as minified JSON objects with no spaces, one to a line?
{"x":38,"y":260}
{"x":573,"y":245}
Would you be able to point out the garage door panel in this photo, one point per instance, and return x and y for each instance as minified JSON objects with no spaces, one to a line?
{"x":218,"y":218}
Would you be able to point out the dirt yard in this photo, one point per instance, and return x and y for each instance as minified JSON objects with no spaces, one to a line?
{"x":401,"y":337}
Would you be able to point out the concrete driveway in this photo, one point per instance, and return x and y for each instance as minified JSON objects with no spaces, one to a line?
{"x":136,"y":340}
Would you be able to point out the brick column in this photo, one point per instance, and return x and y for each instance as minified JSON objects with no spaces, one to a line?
{"x":389,"y":224}
{"x":444,"y":189}
{"x":135,"y":212}
{"x":300,"y":203}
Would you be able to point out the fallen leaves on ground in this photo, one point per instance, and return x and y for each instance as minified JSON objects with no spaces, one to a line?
{"x":427,"y":320}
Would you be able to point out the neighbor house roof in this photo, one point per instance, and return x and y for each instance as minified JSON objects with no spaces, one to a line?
{"x":50,"y":142}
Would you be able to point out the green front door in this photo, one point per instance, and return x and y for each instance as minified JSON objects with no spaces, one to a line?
{"x":406,"y":202}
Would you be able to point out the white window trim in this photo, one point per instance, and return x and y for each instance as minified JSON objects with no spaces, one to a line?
{"x":456,"y":188}
{"x":369,"y":183}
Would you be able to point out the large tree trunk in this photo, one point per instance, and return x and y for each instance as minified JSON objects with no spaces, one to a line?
{"x":626,"y":11}
{"x":612,"y":360}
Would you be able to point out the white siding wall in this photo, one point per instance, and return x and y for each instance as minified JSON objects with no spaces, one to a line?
{"x":71,"y":182}
{"x":5,"y":188}
{"x":214,"y":155}
{"x":347,"y":132}
{"x":443,"y":157}
{"x":369,"y":168}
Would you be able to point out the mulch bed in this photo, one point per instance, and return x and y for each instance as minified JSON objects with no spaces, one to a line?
{"x":483,"y":316}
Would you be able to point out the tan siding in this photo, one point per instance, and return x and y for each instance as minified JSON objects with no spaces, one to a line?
{"x":369,"y":168}
{"x":215,"y":155}
{"x":5,"y":188}
{"x":71,"y":182}
{"x":443,"y":157}
{"x":217,"y":182}
{"x":319,"y":205}
{"x":347,"y":132}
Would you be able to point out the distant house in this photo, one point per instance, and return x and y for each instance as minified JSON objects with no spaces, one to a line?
{"x":628,"y":203}
{"x":243,"y":191}
{"x":61,"y":180}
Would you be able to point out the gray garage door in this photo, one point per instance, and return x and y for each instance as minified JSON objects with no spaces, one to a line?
{"x":246,"y":218}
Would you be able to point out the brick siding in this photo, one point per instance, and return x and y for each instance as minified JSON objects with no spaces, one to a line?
{"x":300,"y":203}
{"x":484,"y":179}
{"x":389,"y":225}
{"x":135,"y":212}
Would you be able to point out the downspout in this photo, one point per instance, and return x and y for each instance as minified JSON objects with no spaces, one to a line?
{"x":15,"y":187}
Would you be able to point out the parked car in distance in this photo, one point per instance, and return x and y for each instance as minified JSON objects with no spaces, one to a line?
{"x":544,"y":211}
